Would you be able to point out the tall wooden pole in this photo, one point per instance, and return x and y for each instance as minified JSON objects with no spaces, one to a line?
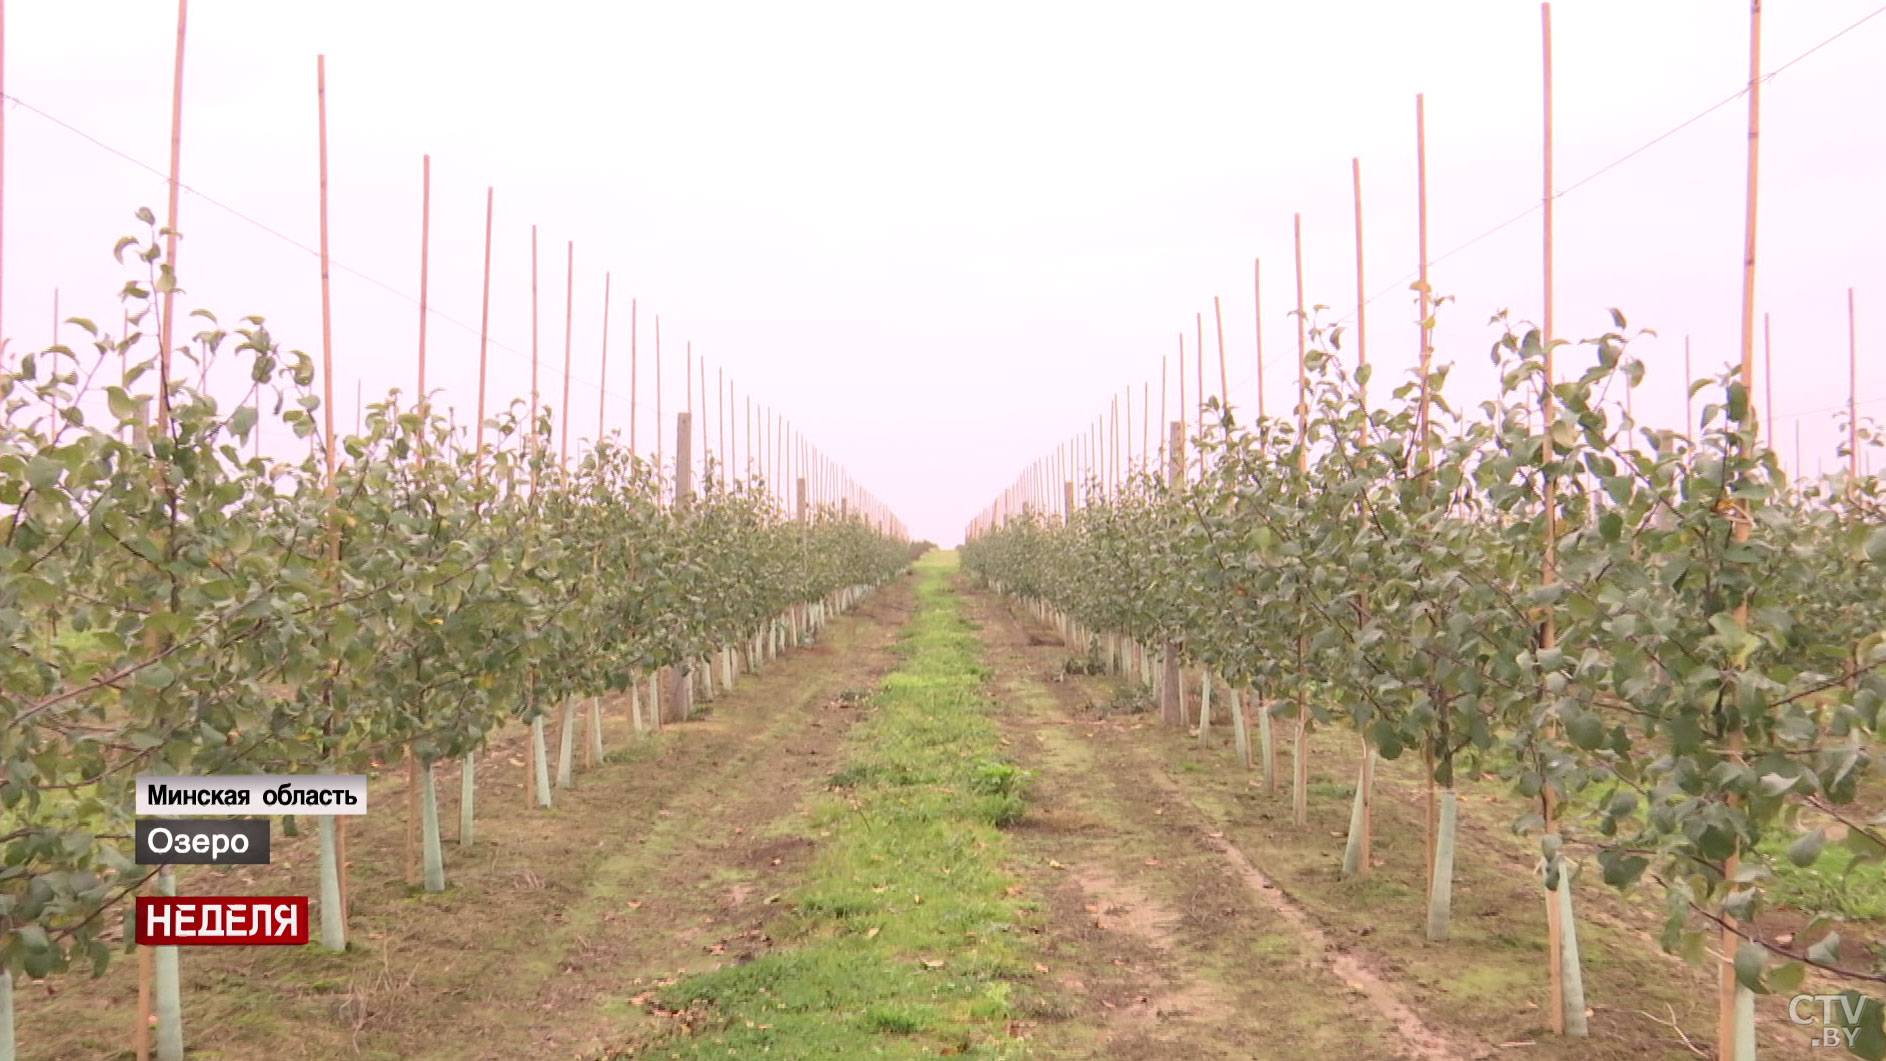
{"x":1426,"y":297}
{"x":1689,"y":393}
{"x":1184,"y":425}
{"x":166,"y":329}
{"x":1768,"y":384}
{"x":425,"y":261}
{"x":1199,"y":345}
{"x":1564,"y":1019}
{"x":1257,"y":317}
{"x":1736,"y":1001}
{"x":635,"y":377}
{"x":3,"y":172}
{"x":1224,"y":371}
{"x":1853,"y":398}
{"x":660,"y":472}
{"x":484,"y":341}
{"x":1300,"y":761}
{"x":531,"y":450}
{"x":327,"y":409}
{"x":569,"y":338}
{"x":1362,"y":296}
{"x":602,"y":385}
{"x":1303,"y":378}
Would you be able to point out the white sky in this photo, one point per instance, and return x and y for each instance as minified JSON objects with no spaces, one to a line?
{"x":939,"y":238}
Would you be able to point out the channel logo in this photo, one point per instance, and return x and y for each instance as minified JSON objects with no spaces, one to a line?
{"x":221,"y":920}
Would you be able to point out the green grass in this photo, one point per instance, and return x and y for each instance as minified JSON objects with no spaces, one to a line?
{"x":1831,"y":883}
{"x":905,"y":937}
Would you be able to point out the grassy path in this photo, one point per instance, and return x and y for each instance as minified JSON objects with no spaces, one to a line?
{"x":904,"y":939}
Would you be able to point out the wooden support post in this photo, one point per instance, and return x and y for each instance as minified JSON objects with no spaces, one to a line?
{"x":1735,"y":1023}
{"x":1564,"y":1020}
{"x":1172,"y":682}
{"x":679,"y":701}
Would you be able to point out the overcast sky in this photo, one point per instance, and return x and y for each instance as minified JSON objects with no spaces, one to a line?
{"x":940,"y":238}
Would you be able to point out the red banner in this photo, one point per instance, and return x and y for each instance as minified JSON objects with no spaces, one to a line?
{"x":221,"y":920}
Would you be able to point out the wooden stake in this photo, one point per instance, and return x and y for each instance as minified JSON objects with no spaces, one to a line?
{"x":1689,"y":393}
{"x":1224,"y":372}
{"x":484,"y":338}
{"x":1199,"y":320}
{"x":1303,"y":378}
{"x":569,"y":342}
{"x":1257,"y":303}
{"x":660,"y":470}
{"x":1184,"y":425}
{"x":425,"y":255}
{"x":3,"y":167}
{"x":1427,"y":326}
{"x":1548,"y":575}
{"x":1300,"y":759}
{"x":166,"y":329}
{"x":1768,"y":383}
{"x":1727,"y":1032}
{"x":677,"y":704}
{"x":602,"y":386}
{"x":534,"y":399}
{"x":1362,"y":296}
{"x":425,"y":265}
{"x":635,"y":376}
{"x":1172,"y":684}
{"x":327,"y":411}
{"x":1853,"y":399}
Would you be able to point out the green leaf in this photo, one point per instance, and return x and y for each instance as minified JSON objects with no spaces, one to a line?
{"x":1750,"y":959}
{"x":1807,"y":850}
{"x":123,"y":406}
{"x":42,"y":473}
{"x":1786,"y":978}
{"x":1865,"y":1036}
{"x":156,"y":676}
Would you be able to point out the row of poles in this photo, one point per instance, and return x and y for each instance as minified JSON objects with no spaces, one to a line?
{"x":1104,"y":450}
{"x":771,"y":448}
{"x":1095,"y":452}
